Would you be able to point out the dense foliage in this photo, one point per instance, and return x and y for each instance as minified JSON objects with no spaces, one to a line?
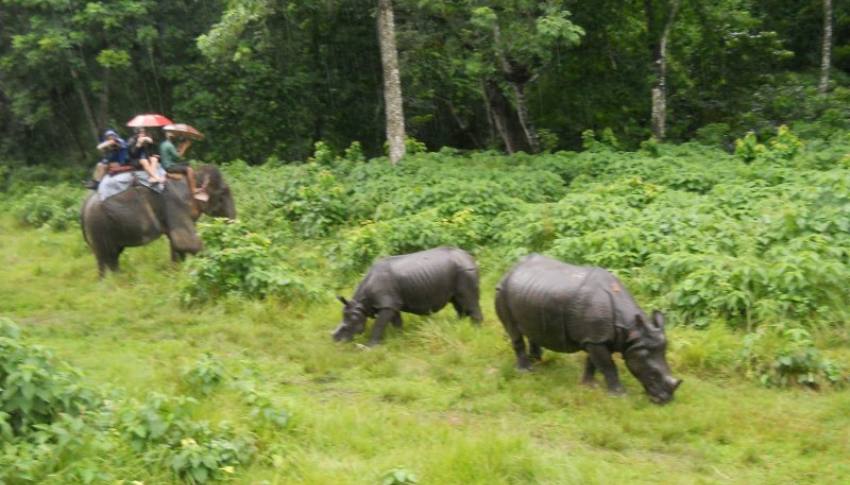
{"x":756,"y":238}
{"x":49,"y":417}
{"x":747,"y":252}
{"x":270,"y":78}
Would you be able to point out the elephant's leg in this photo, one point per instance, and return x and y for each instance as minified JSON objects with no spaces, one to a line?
{"x":177,"y":256}
{"x":397,"y":320}
{"x":535,"y":351}
{"x":108,"y":260}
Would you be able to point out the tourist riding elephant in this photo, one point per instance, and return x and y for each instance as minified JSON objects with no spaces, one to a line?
{"x":140,"y":215}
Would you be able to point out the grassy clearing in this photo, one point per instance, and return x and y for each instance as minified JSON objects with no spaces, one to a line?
{"x":440,"y":398}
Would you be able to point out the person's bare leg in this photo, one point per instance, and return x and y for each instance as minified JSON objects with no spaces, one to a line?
{"x":149,"y":168}
{"x":190,"y":176}
{"x":99,"y":172}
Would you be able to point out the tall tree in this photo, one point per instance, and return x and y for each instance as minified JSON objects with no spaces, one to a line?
{"x":826,"y":47}
{"x":659,"y":62}
{"x":393,"y":107}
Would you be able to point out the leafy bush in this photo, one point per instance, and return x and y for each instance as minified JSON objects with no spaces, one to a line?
{"x":46,"y":413}
{"x":56,"y":207}
{"x":399,"y":476}
{"x":204,"y":376}
{"x":262,"y":406}
{"x":316,"y":204}
{"x":162,"y":429}
{"x":34,"y":390}
{"x":242,"y":262}
{"x":782,"y":357}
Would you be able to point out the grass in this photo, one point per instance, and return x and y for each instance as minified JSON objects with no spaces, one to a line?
{"x":440,"y":398}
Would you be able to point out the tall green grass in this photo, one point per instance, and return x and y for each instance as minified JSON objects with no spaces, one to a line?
{"x":440,"y":399}
{"x":229,"y":356}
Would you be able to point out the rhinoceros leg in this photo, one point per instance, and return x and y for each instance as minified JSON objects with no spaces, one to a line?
{"x":535,"y":351}
{"x":601,"y":357}
{"x":517,"y":339}
{"x":589,"y":372}
{"x":465,"y":300}
{"x":385,"y":316}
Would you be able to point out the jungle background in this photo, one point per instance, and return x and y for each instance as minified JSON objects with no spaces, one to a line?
{"x":735,"y":222}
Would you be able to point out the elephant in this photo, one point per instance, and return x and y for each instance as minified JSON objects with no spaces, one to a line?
{"x":140,"y":215}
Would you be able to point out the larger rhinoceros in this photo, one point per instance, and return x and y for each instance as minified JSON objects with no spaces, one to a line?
{"x":568,"y":308}
{"x":419,"y":283}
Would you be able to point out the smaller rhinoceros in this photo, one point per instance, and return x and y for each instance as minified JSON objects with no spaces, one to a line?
{"x":420,"y":283}
{"x":568,"y":308}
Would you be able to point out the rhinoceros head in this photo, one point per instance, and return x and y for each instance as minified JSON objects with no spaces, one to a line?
{"x":646,"y":358}
{"x":353,"y":320}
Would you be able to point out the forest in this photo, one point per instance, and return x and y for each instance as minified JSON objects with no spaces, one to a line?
{"x":699,"y":151}
{"x":268,"y":79}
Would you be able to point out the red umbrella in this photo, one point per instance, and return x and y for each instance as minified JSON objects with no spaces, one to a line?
{"x":188,"y":131}
{"x":148,"y":120}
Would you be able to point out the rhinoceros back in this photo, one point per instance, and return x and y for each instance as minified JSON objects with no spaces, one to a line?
{"x":560,"y":306}
{"x":420,"y":283}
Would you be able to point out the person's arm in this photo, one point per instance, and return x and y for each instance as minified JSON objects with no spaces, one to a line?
{"x":183,"y":147}
{"x":106,"y":144}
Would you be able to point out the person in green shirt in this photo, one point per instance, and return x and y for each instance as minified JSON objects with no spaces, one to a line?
{"x":171,"y":159}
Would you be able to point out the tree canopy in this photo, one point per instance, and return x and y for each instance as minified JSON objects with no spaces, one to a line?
{"x":270,"y":78}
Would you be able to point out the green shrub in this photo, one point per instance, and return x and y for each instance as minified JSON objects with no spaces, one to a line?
{"x":313,"y":199}
{"x":262,"y":406}
{"x":204,"y":376}
{"x":56,"y":207}
{"x":46,"y":414}
{"x":162,"y":429}
{"x":241,"y":262}
{"x":781,"y":357}
{"x":399,"y":476}
{"x":34,"y":390}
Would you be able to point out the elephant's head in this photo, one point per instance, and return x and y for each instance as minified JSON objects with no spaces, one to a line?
{"x":180,"y":214}
{"x":220,"y":203}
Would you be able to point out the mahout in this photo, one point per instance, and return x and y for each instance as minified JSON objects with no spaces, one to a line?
{"x":420,"y":283}
{"x":568,"y":308}
{"x":140,"y":215}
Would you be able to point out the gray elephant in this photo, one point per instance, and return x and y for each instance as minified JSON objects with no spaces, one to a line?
{"x":568,"y":308}
{"x":139,"y":215}
{"x":420,"y":283}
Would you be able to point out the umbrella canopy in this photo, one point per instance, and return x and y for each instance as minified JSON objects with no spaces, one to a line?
{"x":148,"y":120}
{"x":188,"y":131}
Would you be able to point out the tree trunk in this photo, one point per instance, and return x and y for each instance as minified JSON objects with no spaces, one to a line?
{"x":103,"y":108}
{"x":525,"y":118}
{"x":392,"y":81}
{"x":659,"y":66}
{"x":84,"y":101}
{"x":497,"y":108}
{"x":826,"y":49}
{"x":517,"y":82}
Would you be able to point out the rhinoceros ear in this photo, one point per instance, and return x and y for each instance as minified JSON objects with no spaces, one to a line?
{"x":639,"y":321}
{"x":658,"y":319}
{"x":342,"y":299}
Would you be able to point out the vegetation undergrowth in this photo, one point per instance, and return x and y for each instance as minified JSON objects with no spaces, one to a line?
{"x":223,"y":368}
